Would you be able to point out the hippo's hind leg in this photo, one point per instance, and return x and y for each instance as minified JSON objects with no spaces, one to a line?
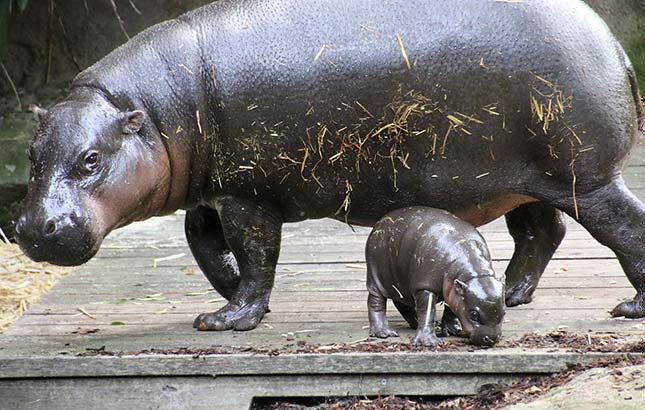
{"x":376,"y":308}
{"x":252,"y":232}
{"x":537,"y":230}
{"x":207,"y":244}
{"x":616,"y":219}
{"x":408,"y":313}
{"x":450,"y":324}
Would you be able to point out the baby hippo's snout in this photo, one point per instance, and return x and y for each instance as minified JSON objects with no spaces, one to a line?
{"x":485,"y":339}
{"x":481,"y":308}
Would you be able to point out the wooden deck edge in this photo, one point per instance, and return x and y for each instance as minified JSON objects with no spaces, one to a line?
{"x":228,"y":392}
{"x":493,"y":362}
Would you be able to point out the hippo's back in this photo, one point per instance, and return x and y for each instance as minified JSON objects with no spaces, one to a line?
{"x":288,"y":44}
{"x":300,"y":64}
{"x":322,"y":106}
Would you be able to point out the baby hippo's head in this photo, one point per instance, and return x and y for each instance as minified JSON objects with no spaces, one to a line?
{"x":479,"y":305}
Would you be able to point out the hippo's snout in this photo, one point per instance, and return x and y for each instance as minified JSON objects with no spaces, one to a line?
{"x":485,"y":339}
{"x":62,"y":240}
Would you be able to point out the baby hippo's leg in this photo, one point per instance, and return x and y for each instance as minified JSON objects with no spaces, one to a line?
{"x":450,"y":324}
{"x":376,"y":307}
{"x":425,"y":302}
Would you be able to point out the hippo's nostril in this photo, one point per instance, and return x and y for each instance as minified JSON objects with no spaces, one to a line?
{"x":50,"y":227}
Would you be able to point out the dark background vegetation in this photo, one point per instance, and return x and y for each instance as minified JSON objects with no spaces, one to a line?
{"x":45,"y":43}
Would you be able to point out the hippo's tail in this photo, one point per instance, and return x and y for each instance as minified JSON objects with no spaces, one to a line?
{"x":631,"y":74}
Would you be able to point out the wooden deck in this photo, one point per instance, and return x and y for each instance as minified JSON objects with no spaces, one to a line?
{"x":143,"y":291}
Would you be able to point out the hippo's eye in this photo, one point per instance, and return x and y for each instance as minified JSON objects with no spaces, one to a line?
{"x":474,"y":316}
{"x":91,"y":160}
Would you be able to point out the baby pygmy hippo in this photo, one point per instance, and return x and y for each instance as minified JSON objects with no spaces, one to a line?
{"x":419,"y":256}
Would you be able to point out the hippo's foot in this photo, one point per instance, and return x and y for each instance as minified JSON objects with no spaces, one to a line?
{"x":451,"y":327}
{"x":383,"y":332}
{"x":631,"y":309}
{"x":231,"y":316}
{"x":520,"y":294}
{"x":426,"y":337}
{"x":450,"y":324}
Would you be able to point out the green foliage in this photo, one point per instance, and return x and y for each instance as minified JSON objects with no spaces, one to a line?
{"x":9,"y":9}
{"x":636,"y":51}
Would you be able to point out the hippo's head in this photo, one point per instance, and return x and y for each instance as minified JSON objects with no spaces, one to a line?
{"x":479,"y":305}
{"x":91,"y":171}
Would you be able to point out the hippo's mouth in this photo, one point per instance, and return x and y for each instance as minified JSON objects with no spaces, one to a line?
{"x":75,"y":249}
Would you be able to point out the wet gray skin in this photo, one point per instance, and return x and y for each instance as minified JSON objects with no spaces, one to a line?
{"x":421,"y":256}
{"x":250,"y":114}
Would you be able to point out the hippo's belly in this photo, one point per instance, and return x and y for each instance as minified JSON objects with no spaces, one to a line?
{"x":477,"y":214}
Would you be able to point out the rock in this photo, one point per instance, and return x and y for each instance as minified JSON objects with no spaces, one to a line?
{"x":600,"y":388}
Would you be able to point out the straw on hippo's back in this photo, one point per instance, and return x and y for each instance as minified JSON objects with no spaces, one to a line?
{"x":254,"y":113}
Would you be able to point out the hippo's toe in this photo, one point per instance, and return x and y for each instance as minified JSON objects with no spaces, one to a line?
{"x":631,"y":309}
{"x":231,"y":317}
{"x":426,"y":337}
{"x":383,"y":332}
{"x":520,"y":294}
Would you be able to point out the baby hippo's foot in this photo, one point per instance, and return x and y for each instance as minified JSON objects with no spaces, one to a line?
{"x":232,"y":316}
{"x":450,"y":326}
{"x":520,"y":294}
{"x":426,"y":337}
{"x":631,"y":309}
{"x":382,"y":332}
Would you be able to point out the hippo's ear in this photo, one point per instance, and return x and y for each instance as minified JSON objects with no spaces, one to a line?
{"x":133,"y":121}
{"x":39,"y":113}
{"x":460,"y":287}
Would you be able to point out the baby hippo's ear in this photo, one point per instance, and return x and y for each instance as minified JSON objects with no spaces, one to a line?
{"x":132,"y":121}
{"x":460,"y":287}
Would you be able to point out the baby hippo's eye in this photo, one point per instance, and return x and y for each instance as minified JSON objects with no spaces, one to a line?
{"x":91,"y":160}
{"x":474,"y":316}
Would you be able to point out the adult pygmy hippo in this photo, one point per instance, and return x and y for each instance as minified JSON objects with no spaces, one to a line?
{"x":251,"y":113}
{"x":419,"y":256}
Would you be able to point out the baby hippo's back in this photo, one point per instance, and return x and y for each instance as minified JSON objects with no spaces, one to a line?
{"x":421,"y":248}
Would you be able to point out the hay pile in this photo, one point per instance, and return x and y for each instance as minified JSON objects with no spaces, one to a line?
{"x":22,"y":282}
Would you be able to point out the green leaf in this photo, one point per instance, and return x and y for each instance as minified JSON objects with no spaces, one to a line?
{"x":117,"y":323}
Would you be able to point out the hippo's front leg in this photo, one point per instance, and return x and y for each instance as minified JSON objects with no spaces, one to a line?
{"x":426,"y":305}
{"x":209,"y":248}
{"x":252,"y":232}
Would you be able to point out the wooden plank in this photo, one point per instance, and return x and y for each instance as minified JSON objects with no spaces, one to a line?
{"x":163,"y":334}
{"x":525,"y":321}
{"x":200,"y":393}
{"x":225,"y":393}
{"x":96,"y":273}
{"x":332,"y":294}
{"x":483,"y":362}
{"x":195,"y":285}
{"x":577,"y":244}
